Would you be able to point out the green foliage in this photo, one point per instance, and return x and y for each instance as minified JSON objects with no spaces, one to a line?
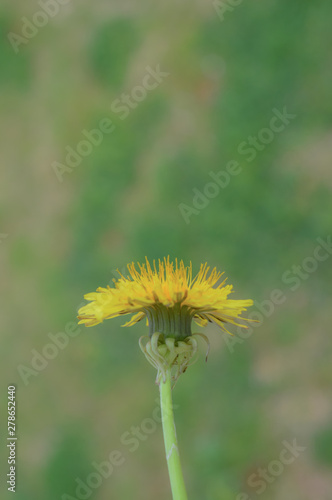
{"x":112,"y":46}
{"x":15,"y":68}
{"x":323,"y":445}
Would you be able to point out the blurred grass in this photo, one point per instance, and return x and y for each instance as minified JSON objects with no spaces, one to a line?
{"x":121,"y":203}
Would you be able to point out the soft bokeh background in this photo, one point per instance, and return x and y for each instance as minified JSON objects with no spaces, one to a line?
{"x":60,"y":240}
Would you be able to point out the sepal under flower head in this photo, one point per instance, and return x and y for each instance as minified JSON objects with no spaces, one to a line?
{"x":170,"y":354}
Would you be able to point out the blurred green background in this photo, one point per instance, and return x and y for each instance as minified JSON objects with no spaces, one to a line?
{"x":60,"y":240}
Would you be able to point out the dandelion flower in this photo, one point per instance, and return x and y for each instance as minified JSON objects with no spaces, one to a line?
{"x":169,"y":299}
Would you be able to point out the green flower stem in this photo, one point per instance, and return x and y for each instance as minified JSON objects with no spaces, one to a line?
{"x":171,"y":444}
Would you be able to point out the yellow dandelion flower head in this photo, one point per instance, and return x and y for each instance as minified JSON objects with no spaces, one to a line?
{"x":168,"y":297}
